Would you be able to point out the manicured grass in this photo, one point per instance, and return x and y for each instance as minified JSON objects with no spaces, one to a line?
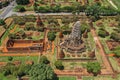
{"x":2,"y":77}
{"x":101,"y":78}
{"x":114,"y":64}
{"x":67,"y":78}
{"x":23,"y":59}
{"x":87,"y":78}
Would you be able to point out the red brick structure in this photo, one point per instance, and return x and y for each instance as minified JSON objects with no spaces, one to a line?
{"x":24,"y":45}
{"x":39,"y":21}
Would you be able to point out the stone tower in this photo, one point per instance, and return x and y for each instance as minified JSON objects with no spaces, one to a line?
{"x":75,"y":35}
{"x":73,"y":43}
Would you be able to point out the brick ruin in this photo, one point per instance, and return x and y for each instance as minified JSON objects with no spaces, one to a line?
{"x":25,"y":45}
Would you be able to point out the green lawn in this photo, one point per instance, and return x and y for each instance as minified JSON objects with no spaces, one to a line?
{"x":101,"y":78}
{"x":22,"y":59}
{"x":67,"y":78}
{"x":114,"y":64}
{"x":2,"y":77}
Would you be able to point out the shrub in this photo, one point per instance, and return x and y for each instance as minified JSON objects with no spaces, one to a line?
{"x":2,"y":22}
{"x":51,"y":36}
{"x":6,"y":72}
{"x":10,"y":58}
{"x":84,"y":27}
{"x":43,"y":59}
{"x":59,"y":65}
{"x":20,"y":8}
{"x":6,"y":3}
{"x":22,"y":2}
{"x":115,"y":36}
{"x":41,"y":29}
{"x":67,"y":9}
{"x":103,"y":33}
{"x":117,"y":51}
{"x":29,"y":26}
{"x":19,"y":20}
{"x":93,"y":67}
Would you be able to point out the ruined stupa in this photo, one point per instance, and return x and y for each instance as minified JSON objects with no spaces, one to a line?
{"x":73,"y":43}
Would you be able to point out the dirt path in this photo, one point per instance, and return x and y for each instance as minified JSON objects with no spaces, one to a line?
{"x":106,"y":63}
{"x":19,"y":54}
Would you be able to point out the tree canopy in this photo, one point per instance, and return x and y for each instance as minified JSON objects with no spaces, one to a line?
{"x":22,"y":2}
{"x":20,"y":8}
{"x":43,"y":59}
{"x":41,"y":72}
{"x":2,"y":22}
{"x":93,"y":67}
{"x":51,"y":36}
{"x":93,"y":10}
{"x":59,"y":65}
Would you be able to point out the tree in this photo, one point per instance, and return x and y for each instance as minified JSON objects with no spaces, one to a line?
{"x":41,"y":72}
{"x":22,"y":2}
{"x":84,"y":27}
{"x":0,"y":5}
{"x":5,"y":3}
{"x":2,"y":22}
{"x":93,"y":10}
{"x":59,"y":65}
{"x":117,"y":51}
{"x":115,"y":36}
{"x":20,"y":8}
{"x":93,"y":67}
{"x":51,"y":36}
{"x":43,"y":59}
{"x":10,"y":58}
{"x":103,"y":33}
{"x":29,"y":26}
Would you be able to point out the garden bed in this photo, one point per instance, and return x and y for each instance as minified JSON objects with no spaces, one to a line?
{"x":112,"y":44}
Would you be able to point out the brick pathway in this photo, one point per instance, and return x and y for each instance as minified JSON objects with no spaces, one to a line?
{"x":109,"y":69}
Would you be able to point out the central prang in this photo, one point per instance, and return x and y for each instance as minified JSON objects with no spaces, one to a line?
{"x":73,"y":43}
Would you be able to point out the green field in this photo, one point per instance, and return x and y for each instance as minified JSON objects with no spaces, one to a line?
{"x":22,"y":59}
{"x":102,"y":78}
{"x":2,"y":77}
{"x":67,"y":78}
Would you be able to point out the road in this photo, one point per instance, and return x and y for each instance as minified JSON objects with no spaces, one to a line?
{"x":8,"y":11}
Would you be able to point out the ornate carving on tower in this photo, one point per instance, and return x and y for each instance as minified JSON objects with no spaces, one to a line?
{"x":75,"y":35}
